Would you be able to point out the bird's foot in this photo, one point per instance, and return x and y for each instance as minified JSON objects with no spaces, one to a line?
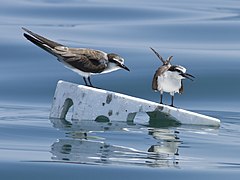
{"x":163,"y":103}
{"x":94,"y":87}
{"x":90,"y":86}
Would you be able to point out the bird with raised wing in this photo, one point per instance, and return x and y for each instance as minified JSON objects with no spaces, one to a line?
{"x":84,"y":61}
{"x":168,"y":78}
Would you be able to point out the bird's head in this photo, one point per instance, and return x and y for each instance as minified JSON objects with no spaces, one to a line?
{"x":181,"y":71}
{"x":117,"y":61}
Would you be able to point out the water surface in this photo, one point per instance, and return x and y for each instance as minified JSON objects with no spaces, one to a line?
{"x":203,"y":36}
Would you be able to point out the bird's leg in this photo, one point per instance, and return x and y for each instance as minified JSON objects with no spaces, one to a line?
{"x":85,"y":81}
{"x":161,"y":97}
{"x":172,"y":100}
{"x":89,"y":81}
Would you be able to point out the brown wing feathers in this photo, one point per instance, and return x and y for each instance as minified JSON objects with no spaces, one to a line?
{"x":41,"y":39}
{"x":86,"y":60}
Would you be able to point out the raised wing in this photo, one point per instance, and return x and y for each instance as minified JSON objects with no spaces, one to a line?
{"x":158,"y":55}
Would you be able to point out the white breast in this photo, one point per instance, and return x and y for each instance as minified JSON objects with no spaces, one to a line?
{"x":169,"y":82}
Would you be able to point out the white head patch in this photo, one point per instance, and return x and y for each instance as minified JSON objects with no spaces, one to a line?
{"x":181,"y":68}
{"x":120,"y":60}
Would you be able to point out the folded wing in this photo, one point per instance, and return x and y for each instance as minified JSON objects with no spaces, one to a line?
{"x":86,"y":60}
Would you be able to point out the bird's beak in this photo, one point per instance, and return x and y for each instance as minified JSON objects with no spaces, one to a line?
{"x":124,"y":67}
{"x":188,"y":76}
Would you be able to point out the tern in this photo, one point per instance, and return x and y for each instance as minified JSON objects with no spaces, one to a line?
{"x":84,"y":61}
{"x":168,"y":78}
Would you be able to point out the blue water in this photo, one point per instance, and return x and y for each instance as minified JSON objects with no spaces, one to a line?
{"x":203,"y":36}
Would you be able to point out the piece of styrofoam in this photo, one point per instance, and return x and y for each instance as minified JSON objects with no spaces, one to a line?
{"x":90,"y":103}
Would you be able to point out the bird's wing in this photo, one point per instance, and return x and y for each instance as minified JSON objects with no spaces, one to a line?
{"x":181,"y":89}
{"x":158,"y":55}
{"x":91,"y":54}
{"x":159,"y":72}
{"x":85,"y":64}
{"x":42,"y":42}
{"x":86,"y":60}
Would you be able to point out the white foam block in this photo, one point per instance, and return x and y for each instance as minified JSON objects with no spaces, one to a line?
{"x":90,"y":103}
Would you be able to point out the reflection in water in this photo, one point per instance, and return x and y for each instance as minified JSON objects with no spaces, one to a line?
{"x":80,"y":146}
{"x":169,"y":141}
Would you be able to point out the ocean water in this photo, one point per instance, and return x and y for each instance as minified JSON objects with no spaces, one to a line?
{"x":203,"y":36}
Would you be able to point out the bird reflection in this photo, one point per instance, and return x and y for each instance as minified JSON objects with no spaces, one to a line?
{"x":86,"y":142}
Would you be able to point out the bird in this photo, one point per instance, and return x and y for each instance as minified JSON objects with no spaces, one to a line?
{"x":168,"y":78}
{"x":84,"y":61}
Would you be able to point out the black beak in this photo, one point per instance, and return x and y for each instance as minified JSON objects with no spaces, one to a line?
{"x":187,"y":76}
{"x":124,"y":67}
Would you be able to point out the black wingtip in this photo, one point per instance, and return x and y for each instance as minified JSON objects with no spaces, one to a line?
{"x":38,"y":43}
{"x":26,"y":30}
{"x":42,"y":39}
{"x":33,"y":40}
{"x":28,"y":36}
{"x":23,"y":28}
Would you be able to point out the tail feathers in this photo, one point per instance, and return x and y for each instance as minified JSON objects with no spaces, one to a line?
{"x":44,"y":40}
{"x":39,"y":44}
